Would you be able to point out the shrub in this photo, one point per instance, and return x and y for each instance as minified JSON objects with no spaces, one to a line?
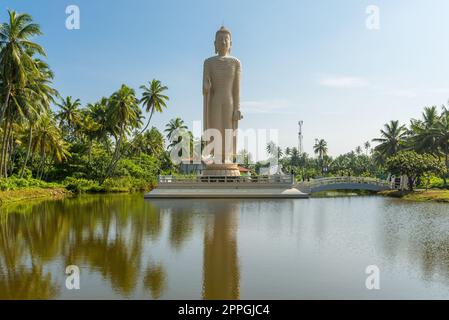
{"x":80,"y":185}
{"x":14,"y":183}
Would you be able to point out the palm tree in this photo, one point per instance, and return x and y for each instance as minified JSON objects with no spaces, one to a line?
{"x":89,"y":128}
{"x":99,"y":114}
{"x":16,"y":62}
{"x":320,"y":148}
{"x":295,"y":157}
{"x":440,"y":132}
{"x":48,"y":141}
{"x":175,"y":127}
{"x":392,"y":139}
{"x":18,"y":69}
{"x":367,"y":146}
{"x":69,"y":116}
{"x":358,"y":150}
{"x":276,"y":152}
{"x":39,"y":97}
{"x":153,"y":98}
{"x":124,"y":115}
{"x":154,"y":141}
{"x":422,"y":131}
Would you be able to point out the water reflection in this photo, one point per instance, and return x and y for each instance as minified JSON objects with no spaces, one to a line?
{"x":221,"y":274}
{"x":221,"y":249}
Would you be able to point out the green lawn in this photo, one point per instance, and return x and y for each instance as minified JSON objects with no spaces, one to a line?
{"x":436,"y":195}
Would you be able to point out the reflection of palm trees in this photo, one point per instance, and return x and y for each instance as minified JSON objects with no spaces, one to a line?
{"x":181,"y":226}
{"x":221,"y":276}
{"x":105,"y":233}
{"x":24,"y":283}
{"x":154,"y":280}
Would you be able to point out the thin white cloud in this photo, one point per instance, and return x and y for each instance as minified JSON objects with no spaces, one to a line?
{"x":404,"y":93}
{"x":269,"y":106}
{"x":343,"y":82}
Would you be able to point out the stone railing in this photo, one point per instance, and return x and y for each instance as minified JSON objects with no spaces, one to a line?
{"x":274,"y":179}
{"x":335,"y":180}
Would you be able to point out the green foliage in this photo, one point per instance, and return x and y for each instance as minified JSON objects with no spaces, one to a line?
{"x":112,"y":185}
{"x":414,"y":165}
{"x":15,"y":183}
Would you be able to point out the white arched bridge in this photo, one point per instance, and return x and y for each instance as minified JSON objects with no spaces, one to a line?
{"x":343,"y":183}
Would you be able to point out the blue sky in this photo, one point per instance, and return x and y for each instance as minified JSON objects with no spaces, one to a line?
{"x":302,"y":60}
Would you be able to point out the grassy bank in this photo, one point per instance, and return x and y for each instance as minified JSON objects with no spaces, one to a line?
{"x":16,"y":189}
{"x":341,"y":193}
{"x":437,"y":195}
{"x":31,"y":193}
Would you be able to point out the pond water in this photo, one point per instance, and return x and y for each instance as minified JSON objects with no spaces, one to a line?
{"x":128,"y":247}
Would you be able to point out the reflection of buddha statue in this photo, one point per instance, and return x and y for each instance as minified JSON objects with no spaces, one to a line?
{"x":221,"y":275}
{"x":221,"y":90}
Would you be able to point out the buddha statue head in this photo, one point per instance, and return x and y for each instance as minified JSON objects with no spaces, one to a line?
{"x":223,"y":41}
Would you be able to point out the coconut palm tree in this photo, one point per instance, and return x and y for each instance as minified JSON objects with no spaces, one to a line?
{"x":89,"y":128}
{"x":18,"y":69}
{"x":422,"y":134}
{"x":173,"y":128}
{"x":124,"y":114}
{"x":153,"y":98}
{"x":367,"y":146}
{"x":392,"y":139}
{"x":320,"y":148}
{"x":69,"y":117}
{"x":295,"y":157}
{"x":275,"y":152}
{"x":48,"y":142}
{"x":440,"y":132}
{"x":99,"y":114}
{"x":39,"y":97}
{"x":16,"y":63}
{"x":153,"y":142}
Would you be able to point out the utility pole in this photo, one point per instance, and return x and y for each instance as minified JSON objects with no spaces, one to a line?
{"x":300,"y":145}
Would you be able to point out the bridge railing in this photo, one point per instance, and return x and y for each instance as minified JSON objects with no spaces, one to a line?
{"x":349,"y":180}
{"x":275,"y":179}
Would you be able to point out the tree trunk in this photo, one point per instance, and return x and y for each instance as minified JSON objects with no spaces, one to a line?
{"x":411,"y":182}
{"x":3,"y":151}
{"x":30,"y":137}
{"x":446,"y":155}
{"x":90,"y":152}
{"x":5,"y":105}
{"x":10,"y":152}
{"x":115,"y":158}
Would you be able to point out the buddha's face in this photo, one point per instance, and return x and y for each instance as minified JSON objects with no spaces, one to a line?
{"x":223,"y":43}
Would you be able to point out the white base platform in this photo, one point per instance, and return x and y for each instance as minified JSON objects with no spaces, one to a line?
{"x":236,"y":193}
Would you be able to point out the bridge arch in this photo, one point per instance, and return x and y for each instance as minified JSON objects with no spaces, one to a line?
{"x":344,"y":183}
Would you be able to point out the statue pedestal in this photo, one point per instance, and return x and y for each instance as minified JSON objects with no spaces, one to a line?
{"x":222,"y":170}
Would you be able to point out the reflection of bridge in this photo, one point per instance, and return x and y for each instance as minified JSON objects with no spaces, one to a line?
{"x":343,"y":183}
